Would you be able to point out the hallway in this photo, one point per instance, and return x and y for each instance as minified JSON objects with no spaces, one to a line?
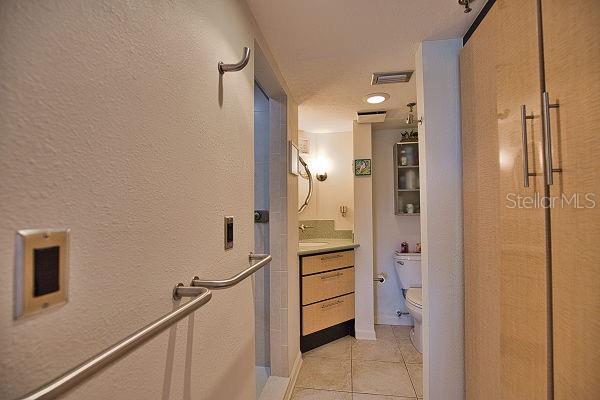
{"x":349,"y":369}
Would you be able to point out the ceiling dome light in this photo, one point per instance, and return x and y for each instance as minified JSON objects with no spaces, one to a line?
{"x":376,"y":98}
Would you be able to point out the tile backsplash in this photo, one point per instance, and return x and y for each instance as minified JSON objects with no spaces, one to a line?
{"x":323,"y":228}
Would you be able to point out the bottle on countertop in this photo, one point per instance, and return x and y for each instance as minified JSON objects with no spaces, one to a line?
{"x":418,"y":248}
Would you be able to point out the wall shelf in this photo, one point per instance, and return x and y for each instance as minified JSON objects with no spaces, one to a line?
{"x":406,"y":178}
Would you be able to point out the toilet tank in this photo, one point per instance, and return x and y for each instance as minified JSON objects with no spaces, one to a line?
{"x":408,"y":269}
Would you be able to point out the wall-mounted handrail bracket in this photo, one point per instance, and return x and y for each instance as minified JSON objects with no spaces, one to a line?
{"x":237,"y":66}
{"x":234,"y":280}
{"x":181,"y":291}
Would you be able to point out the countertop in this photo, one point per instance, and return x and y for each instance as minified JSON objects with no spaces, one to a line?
{"x":331,"y":245}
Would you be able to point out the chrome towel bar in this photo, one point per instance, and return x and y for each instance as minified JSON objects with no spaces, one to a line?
{"x":264,"y":259}
{"x":72,"y":378}
{"x":237,"y":66}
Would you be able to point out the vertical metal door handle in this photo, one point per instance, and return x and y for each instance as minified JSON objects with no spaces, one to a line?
{"x":524,"y":118}
{"x":548,"y":138}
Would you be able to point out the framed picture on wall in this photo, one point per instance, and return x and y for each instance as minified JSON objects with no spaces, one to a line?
{"x":293,"y":158}
{"x":362,"y":167}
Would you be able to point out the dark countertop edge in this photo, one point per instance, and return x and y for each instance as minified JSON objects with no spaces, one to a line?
{"x":328,"y":249}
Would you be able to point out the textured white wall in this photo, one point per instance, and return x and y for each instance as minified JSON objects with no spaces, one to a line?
{"x":115,"y":124}
{"x":440,"y":157}
{"x":389,"y":230}
{"x":363,"y":235}
{"x":335,"y":150}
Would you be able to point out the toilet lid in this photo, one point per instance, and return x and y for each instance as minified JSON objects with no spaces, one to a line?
{"x":415,"y":297}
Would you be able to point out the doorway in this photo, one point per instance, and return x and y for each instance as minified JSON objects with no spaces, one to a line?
{"x":261,"y":237}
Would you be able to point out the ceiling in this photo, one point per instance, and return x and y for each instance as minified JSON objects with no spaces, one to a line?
{"x":328,"y":49}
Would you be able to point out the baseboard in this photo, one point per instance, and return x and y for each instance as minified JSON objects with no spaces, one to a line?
{"x":365,"y":335}
{"x":293,"y":376}
{"x":327,"y":335}
{"x":393,"y":320}
{"x":275,"y":388}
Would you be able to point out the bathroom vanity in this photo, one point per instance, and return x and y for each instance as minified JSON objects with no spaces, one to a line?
{"x":326,"y":294}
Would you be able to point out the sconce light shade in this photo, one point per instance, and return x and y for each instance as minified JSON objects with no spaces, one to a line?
{"x":321,"y":176}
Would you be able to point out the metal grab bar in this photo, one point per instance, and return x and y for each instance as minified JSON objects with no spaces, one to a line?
{"x":72,"y":378}
{"x":226,"y":283}
{"x":237,"y":66}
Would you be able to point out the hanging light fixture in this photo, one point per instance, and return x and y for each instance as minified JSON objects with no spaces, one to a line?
{"x":410,"y":119}
{"x":466,"y":4}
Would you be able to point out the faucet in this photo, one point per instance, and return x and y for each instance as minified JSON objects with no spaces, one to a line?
{"x":303,"y":227}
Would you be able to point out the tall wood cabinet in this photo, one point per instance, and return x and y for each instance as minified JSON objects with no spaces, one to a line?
{"x":532,"y":273}
{"x":572,"y":67}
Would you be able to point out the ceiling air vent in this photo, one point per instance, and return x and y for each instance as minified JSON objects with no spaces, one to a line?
{"x":367,"y":117}
{"x":379,"y":78}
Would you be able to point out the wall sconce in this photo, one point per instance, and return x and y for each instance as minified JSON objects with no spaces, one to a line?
{"x":321,"y":165}
{"x":321,"y":176}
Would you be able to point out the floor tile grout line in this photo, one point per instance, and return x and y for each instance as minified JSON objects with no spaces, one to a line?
{"x":412,"y":383}
{"x":352,"y":368}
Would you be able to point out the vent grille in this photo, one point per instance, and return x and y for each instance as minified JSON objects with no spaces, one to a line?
{"x":364,"y":117}
{"x":380,"y":78}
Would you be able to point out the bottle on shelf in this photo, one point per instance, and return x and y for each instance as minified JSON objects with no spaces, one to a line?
{"x":403,"y":158}
{"x":404,"y":247}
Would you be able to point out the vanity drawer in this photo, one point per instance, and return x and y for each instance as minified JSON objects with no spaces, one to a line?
{"x":327,"y":313}
{"x":325,"y":262}
{"x":327,"y":285}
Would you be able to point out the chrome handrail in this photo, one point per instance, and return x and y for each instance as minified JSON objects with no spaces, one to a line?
{"x":72,"y":378}
{"x":234,"y":280}
{"x":237,"y":66}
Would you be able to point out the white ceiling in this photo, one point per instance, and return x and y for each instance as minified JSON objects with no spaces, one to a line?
{"x":327,"y":50}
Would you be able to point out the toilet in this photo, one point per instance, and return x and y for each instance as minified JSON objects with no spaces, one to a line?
{"x":408,"y":269}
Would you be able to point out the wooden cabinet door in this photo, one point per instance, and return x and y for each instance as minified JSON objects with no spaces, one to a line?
{"x":522,"y":240}
{"x":505,"y":237}
{"x":572,"y":68}
{"x":524,"y":309}
{"x":481,"y":212}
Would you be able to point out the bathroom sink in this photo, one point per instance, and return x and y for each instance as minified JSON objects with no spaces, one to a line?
{"x":310,"y":245}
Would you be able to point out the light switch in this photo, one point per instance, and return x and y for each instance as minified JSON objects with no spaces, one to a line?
{"x":228,"y":233}
{"x":41,"y":270}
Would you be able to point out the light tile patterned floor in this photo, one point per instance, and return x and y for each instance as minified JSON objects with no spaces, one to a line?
{"x":389,"y":368}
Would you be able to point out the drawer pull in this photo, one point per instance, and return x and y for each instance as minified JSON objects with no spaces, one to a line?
{"x":334,"y":275}
{"x":331,"y":257}
{"x":335,"y":303}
